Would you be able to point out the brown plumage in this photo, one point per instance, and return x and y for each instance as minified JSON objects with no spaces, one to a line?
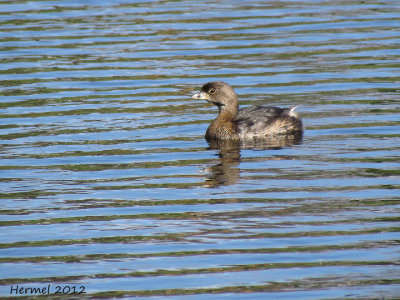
{"x":247,"y":123}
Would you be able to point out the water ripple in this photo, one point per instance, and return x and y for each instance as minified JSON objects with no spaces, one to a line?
{"x":108,"y":184}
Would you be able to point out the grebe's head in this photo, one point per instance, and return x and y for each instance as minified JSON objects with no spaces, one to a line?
{"x":219,"y":93}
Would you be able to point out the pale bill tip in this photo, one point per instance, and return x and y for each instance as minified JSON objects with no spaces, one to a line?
{"x":196,"y":96}
{"x":200,"y":96}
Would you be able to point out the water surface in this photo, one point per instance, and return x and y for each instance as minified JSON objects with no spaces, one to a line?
{"x":108,"y":183}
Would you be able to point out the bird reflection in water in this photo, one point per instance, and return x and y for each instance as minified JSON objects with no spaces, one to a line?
{"x":227,"y":171}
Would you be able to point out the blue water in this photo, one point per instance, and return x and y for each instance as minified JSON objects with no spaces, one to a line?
{"x":108,"y":184}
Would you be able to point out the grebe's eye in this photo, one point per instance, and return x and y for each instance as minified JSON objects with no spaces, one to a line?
{"x":212,"y":91}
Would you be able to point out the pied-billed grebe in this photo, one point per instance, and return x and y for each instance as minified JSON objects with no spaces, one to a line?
{"x":246,"y":123}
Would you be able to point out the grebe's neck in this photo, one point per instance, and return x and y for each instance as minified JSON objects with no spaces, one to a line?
{"x":229,"y":110}
{"x":223,"y":126}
